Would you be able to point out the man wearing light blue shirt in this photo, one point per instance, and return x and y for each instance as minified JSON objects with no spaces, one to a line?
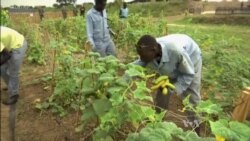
{"x":98,"y":30}
{"x":124,"y":11}
{"x":179,"y":57}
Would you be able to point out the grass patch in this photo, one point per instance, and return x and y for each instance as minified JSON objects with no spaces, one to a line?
{"x":219,"y":19}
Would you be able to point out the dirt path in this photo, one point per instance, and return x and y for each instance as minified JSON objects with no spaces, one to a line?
{"x":4,"y":123}
{"x":31,"y":124}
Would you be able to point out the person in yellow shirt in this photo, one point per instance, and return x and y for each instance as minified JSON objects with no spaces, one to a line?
{"x":12,"y":51}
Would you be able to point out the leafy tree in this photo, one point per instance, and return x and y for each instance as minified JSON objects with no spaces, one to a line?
{"x":65,"y":2}
{"x":55,"y":5}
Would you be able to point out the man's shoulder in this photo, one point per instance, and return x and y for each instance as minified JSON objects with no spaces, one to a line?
{"x":170,"y":46}
{"x":90,"y":12}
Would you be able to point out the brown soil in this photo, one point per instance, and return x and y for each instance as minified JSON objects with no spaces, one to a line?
{"x":32,"y":124}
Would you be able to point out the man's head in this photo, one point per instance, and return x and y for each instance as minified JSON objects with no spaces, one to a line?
{"x":100,"y":4}
{"x":147,"y":48}
{"x":124,"y":5}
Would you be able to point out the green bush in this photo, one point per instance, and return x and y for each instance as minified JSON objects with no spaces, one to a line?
{"x":5,"y":20}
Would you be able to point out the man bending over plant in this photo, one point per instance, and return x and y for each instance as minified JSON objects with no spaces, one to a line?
{"x":98,"y":30}
{"x":179,"y":57}
{"x":12,"y":51}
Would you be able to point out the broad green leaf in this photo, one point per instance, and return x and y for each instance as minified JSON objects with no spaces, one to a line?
{"x":160,"y":116}
{"x":100,"y":134}
{"x":112,"y":63}
{"x":135,"y":112}
{"x":88,"y":91}
{"x":116,"y":99}
{"x":88,"y":113}
{"x":39,"y":106}
{"x":161,"y":131}
{"x":115,"y":90}
{"x":109,"y":117}
{"x":45,"y":105}
{"x":93,"y":71}
{"x":123,"y":66}
{"x":241,"y":130}
{"x":135,"y":70}
{"x":141,"y":94}
{"x":95,"y":54}
{"x":221,"y":128}
{"x":170,"y":126}
{"x":101,"y":106}
{"x":159,"y":135}
{"x":101,"y":59}
{"x":111,"y":58}
{"x":142,"y":91}
{"x":87,"y":82}
{"x":134,"y":137}
{"x":208,"y":107}
{"x":108,"y":138}
{"x":106,"y":77}
{"x":148,"y":112}
{"x":112,"y":71}
{"x":192,"y":136}
{"x":121,"y":82}
{"x":101,"y":68}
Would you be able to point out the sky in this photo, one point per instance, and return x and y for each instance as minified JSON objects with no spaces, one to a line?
{"x":6,"y":3}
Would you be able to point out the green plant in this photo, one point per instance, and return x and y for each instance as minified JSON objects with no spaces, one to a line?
{"x":230,"y":130}
{"x":101,"y":92}
{"x":71,"y":31}
{"x":5,"y":19}
{"x":36,"y":53}
{"x":164,"y":131}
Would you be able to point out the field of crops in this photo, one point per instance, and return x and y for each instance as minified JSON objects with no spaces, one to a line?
{"x":68,"y":93}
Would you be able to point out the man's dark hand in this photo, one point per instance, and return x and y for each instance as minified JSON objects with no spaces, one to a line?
{"x":5,"y":55}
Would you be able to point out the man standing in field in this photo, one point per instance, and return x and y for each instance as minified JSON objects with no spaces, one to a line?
{"x":41,"y":12}
{"x":64,"y":12}
{"x":123,"y":11}
{"x":98,"y":30}
{"x":12,"y":51}
{"x":179,"y":57}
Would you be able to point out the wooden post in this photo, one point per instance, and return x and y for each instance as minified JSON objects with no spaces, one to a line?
{"x":242,"y":110}
{"x":12,"y":121}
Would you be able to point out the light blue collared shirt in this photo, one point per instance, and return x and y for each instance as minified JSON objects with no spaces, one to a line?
{"x":97,"y":26}
{"x":124,"y":13}
{"x":180,"y":54}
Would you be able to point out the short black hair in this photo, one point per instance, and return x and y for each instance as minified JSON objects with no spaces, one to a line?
{"x":100,"y":1}
{"x":146,"y":41}
{"x":125,"y":4}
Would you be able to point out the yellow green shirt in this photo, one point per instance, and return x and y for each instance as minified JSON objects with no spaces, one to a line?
{"x":10,"y":39}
